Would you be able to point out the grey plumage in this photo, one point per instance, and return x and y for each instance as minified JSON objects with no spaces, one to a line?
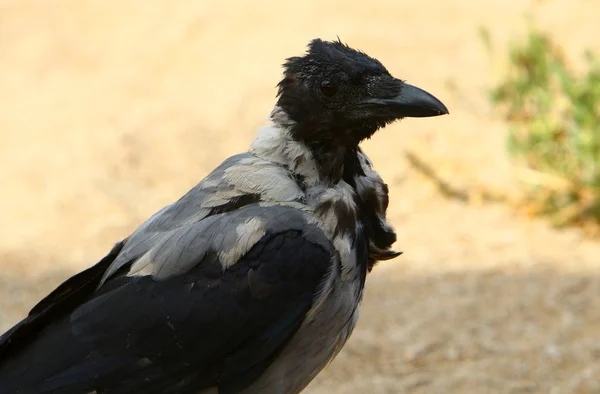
{"x":251,"y":282}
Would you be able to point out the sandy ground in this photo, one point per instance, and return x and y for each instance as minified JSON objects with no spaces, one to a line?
{"x":111,"y":109}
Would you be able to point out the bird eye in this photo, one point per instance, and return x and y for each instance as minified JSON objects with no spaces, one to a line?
{"x":328,"y":88}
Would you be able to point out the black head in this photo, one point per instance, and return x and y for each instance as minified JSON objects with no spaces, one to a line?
{"x":339,"y":96}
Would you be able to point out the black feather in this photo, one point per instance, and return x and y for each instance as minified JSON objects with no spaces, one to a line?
{"x":180,"y":335}
{"x":58,"y":303}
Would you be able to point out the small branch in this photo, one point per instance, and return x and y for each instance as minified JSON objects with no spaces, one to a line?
{"x":444,"y":187}
{"x":450,"y":191}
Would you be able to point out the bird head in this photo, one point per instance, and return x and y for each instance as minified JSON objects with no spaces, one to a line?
{"x":338,"y":96}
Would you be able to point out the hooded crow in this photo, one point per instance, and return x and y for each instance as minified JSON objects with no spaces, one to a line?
{"x":249,"y":283}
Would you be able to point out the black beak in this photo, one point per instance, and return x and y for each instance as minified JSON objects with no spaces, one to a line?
{"x":416,"y":103}
{"x":412,"y":102}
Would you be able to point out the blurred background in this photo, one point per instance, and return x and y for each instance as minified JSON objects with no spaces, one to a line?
{"x":110,"y":110}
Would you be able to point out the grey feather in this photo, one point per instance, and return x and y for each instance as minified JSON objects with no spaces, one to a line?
{"x":180,"y":235}
{"x":229,"y":235}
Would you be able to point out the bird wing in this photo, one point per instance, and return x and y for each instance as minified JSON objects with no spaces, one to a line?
{"x":207,"y":302}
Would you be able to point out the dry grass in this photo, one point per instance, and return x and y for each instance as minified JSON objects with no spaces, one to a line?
{"x":111,"y":109}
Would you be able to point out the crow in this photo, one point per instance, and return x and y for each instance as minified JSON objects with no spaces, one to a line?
{"x":249,"y":283}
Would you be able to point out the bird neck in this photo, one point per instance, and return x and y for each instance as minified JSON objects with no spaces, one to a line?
{"x":321,"y":162}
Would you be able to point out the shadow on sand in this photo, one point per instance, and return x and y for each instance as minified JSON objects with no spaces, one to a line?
{"x":454,"y":332}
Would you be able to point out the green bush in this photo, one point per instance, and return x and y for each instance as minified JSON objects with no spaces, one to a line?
{"x":554,"y":114}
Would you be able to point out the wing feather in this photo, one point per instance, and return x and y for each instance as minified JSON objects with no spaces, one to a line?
{"x":205,"y":326}
{"x":201,"y":294}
